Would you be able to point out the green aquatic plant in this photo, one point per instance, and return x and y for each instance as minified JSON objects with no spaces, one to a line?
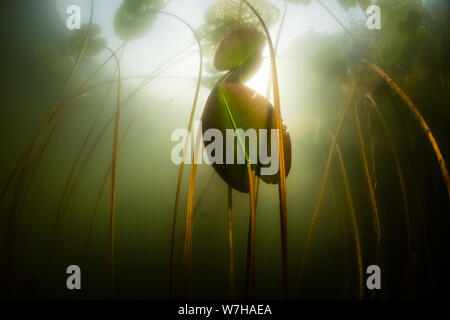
{"x":418,"y":116}
{"x":237,"y":51}
{"x":235,"y":106}
{"x":240,"y":54}
{"x":226,"y":16}
{"x":370,"y":186}
{"x":135,"y":18}
{"x":231,"y":275}
{"x":341,"y":73}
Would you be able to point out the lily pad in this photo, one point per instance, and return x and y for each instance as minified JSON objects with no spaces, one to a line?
{"x":240,"y":47}
{"x":94,"y":45}
{"x":134,"y":18}
{"x":235,"y":106}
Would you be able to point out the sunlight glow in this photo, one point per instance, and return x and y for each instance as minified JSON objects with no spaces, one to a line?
{"x":260,"y":80}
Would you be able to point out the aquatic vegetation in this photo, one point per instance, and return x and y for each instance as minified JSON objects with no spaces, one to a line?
{"x":375,"y":193}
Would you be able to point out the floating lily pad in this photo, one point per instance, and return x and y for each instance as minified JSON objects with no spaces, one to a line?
{"x":94,"y":45}
{"x":134,"y":18}
{"x":235,"y":106}
{"x":240,"y":47}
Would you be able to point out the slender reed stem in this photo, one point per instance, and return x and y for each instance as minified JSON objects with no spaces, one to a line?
{"x":399,"y":172}
{"x":408,"y":102}
{"x":102,"y":187}
{"x":180,"y":172}
{"x":113,"y":193}
{"x":190,"y":217}
{"x":282,"y":182}
{"x":277,"y":42}
{"x":324,"y":183}
{"x":25,"y":159}
{"x":203,"y":192}
{"x":230,"y":244}
{"x":60,"y":212}
{"x":373,"y":201}
{"x":354,"y":224}
{"x":419,"y":118}
{"x":250,"y":271}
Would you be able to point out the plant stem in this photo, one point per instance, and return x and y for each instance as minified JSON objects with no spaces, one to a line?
{"x":25,"y":159}
{"x":419,"y":118}
{"x":324,"y":183}
{"x":277,"y":42}
{"x":373,"y":201}
{"x":230,"y":243}
{"x":180,"y":172}
{"x":354,"y":224}
{"x":105,"y":180}
{"x":113,"y":193}
{"x":190,"y":217}
{"x":399,"y":171}
{"x":282,"y":168}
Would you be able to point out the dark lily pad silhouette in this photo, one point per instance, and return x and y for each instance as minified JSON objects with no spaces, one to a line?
{"x":134,"y":18}
{"x":235,"y":106}
{"x":94,"y":45}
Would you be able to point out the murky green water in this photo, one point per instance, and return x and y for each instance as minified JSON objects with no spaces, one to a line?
{"x":47,"y":209}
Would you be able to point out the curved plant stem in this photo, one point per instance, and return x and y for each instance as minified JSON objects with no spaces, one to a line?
{"x":337,"y":20}
{"x":419,"y":118}
{"x":60,"y":212}
{"x":180,"y":172}
{"x":374,"y":38}
{"x":408,"y":102}
{"x":147,"y":79}
{"x":16,"y":210}
{"x":190,"y":217}
{"x":324,"y":183}
{"x":373,"y":201}
{"x":203,"y":192}
{"x":113,"y":192}
{"x":250,"y":271}
{"x":80,"y":92}
{"x":399,"y":172}
{"x":282,"y":168}
{"x":22,"y":188}
{"x":102,"y":187}
{"x":230,"y":243}
{"x":277,"y":42}
{"x":354,"y":224}
{"x":25,"y":158}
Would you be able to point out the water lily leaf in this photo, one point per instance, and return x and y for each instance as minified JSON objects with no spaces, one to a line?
{"x":240,"y":47}
{"x":226,"y":16}
{"x":94,"y":45}
{"x":134,"y":18}
{"x":235,"y":106}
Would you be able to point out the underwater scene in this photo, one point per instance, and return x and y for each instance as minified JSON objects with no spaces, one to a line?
{"x":225,"y":149}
